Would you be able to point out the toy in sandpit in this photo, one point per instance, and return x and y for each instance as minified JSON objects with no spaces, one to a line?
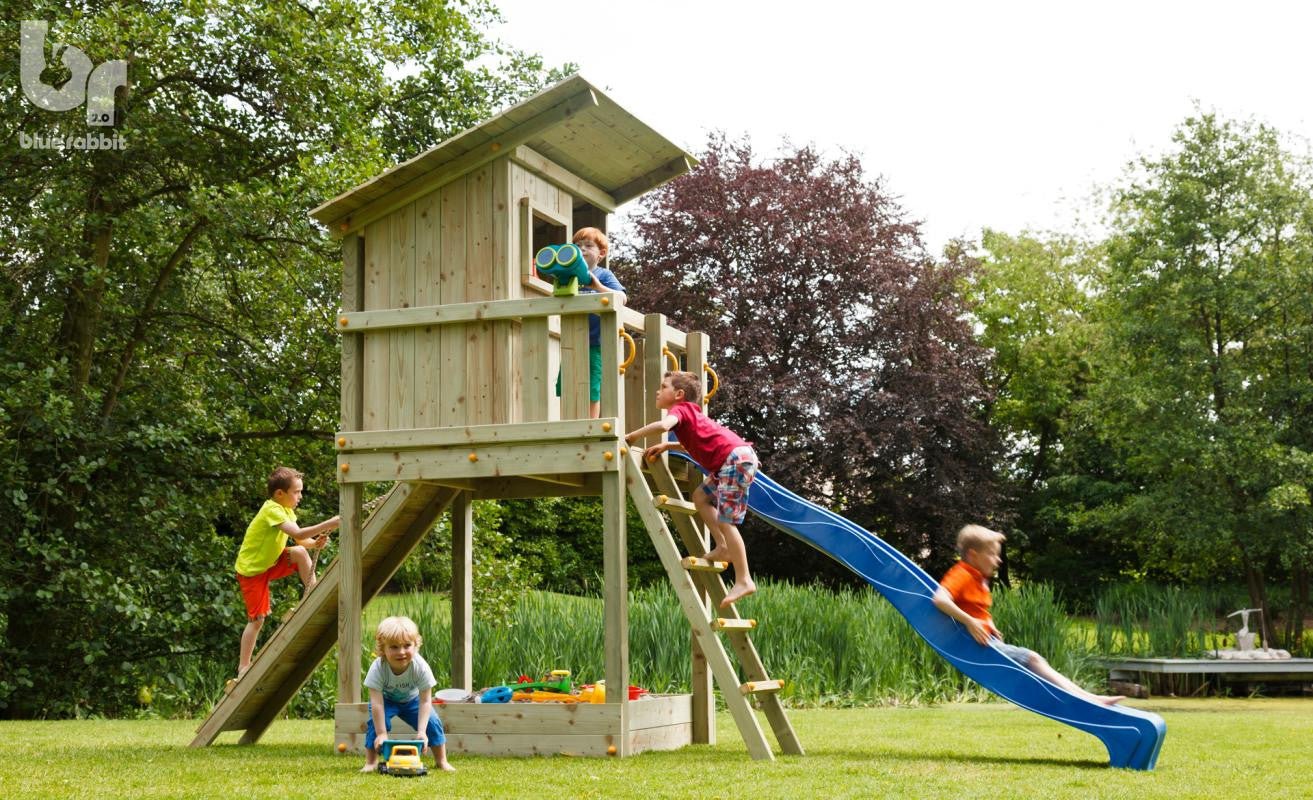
{"x":400,"y":759}
{"x":555,"y":688}
{"x":494,"y":694}
{"x":565,"y":265}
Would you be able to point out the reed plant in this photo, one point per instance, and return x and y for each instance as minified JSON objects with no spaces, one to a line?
{"x":834,"y":648}
{"x":1148,"y":620}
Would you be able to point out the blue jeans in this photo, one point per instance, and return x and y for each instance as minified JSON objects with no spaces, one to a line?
{"x":409,"y":712}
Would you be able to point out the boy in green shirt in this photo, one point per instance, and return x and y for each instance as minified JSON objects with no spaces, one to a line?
{"x":265,"y":556}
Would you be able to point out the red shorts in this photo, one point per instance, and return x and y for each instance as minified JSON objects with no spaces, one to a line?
{"x":255,"y":588}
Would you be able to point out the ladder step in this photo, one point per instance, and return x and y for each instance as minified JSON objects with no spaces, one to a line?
{"x":761,"y":687}
{"x":675,"y":506}
{"x":695,"y":564}
{"x":727,"y":624}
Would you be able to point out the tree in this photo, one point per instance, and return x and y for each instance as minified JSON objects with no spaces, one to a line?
{"x":165,"y":318}
{"x":1034,"y":299}
{"x":840,"y":345}
{"x":1208,"y":371}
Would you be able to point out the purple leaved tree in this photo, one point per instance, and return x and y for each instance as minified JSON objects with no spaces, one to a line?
{"x":842,"y":347}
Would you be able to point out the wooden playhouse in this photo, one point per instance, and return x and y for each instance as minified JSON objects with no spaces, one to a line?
{"x":450,"y":352}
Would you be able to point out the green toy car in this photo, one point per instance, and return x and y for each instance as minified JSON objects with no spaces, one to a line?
{"x":401,"y":759}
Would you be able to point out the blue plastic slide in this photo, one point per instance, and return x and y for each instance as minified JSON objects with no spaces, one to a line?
{"x":1133,"y":737}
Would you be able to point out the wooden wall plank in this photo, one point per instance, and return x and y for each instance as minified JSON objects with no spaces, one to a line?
{"x":489,"y":462}
{"x":546,"y":169}
{"x":613,"y":387}
{"x":375,"y":381}
{"x":353,"y":364}
{"x":654,"y":366}
{"x":505,"y":396}
{"x":479,"y":311}
{"x":478,"y":286}
{"x":574,"y":367}
{"x":537,"y":375}
{"x":428,"y":292}
{"x":478,"y":435}
{"x":401,"y":291}
{"x":635,"y":389}
{"x":451,"y":395}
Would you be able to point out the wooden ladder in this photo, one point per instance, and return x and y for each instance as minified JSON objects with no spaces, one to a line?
{"x":695,"y":578}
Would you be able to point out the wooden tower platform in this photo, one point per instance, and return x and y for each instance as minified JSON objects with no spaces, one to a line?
{"x":451,"y":348}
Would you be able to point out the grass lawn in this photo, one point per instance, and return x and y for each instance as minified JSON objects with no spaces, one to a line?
{"x":1215,"y":747}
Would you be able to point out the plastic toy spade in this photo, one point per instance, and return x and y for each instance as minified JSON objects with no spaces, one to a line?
{"x":558,"y":681}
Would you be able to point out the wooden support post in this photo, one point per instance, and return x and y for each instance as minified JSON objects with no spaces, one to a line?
{"x":349,"y":497}
{"x":615,"y":563}
{"x":636,"y":398}
{"x":613,"y":387}
{"x":704,"y":703}
{"x":349,"y":594}
{"x":654,"y":366}
{"x":462,"y":592}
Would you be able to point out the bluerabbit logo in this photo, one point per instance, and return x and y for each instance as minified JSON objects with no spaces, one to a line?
{"x":97,"y":90}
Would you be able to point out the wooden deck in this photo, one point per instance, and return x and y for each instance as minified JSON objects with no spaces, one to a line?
{"x":1255,"y":671}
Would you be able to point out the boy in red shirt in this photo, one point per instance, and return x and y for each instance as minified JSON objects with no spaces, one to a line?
{"x":964,"y":595}
{"x":731,"y":464}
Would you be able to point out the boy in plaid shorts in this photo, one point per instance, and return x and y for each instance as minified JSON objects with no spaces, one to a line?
{"x":730,"y":462}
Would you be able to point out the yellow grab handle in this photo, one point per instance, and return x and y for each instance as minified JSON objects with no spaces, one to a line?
{"x":633,"y":350}
{"x":715,"y":384}
{"x":674,"y":360}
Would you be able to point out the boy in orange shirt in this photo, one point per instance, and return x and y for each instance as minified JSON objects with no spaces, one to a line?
{"x":964,"y":595}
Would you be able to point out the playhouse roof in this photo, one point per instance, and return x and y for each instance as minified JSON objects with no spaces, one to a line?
{"x":572,"y":123}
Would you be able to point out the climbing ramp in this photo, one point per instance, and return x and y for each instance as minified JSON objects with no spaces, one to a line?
{"x":1132,"y":737}
{"x":288,"y":657}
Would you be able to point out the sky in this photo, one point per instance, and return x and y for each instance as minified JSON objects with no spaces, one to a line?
{"x":1006,"y":115}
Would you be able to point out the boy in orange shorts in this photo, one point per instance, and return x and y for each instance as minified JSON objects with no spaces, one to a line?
{"x":265,"y":556}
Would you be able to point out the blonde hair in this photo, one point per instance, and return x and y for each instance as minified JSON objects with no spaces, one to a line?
{"x":397,"y":630}
{"x":975,"y":537}
{"x":686,"y":382}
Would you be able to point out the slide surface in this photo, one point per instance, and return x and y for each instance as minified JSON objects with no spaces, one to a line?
{"x":1133,"y":737}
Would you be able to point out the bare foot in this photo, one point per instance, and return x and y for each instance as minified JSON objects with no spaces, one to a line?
{"x":369,"y":768}
{"x":740,"y":591}
{"x":1109,"y":700}
{"x":714,"y":554}
{"x":445,"y":766}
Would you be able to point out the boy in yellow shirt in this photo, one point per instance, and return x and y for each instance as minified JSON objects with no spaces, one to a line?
{"x":265,"y":556}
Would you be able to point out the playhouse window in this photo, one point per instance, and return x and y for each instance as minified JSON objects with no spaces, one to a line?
{"x":547,"y":231}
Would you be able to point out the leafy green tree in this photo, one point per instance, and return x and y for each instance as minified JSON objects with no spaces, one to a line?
{"x":165,"y":317}
{"x":1034,"y":299}
{"x":1206,"y":379}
